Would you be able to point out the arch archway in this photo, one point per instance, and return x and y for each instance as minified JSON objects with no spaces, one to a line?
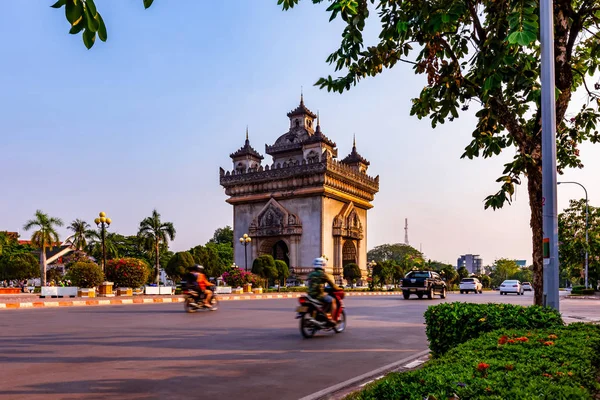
{"x":349,"y":253}
{"x":278,"y":248}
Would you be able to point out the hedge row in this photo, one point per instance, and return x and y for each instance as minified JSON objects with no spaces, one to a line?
{"x":559,"y":363}
{"x":450,"y":324}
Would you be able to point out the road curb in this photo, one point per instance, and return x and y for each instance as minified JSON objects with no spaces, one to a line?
{"x":356,"y":383}
{"x":174,"y":299}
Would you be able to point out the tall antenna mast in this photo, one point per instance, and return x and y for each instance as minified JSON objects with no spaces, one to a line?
{"x":406,"y":231}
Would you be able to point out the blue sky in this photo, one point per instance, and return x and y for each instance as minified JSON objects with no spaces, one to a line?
{"x":145,"y":121}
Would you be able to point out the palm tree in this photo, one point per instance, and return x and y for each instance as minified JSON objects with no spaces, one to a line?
{"x":154,"y":232}
{"x":44,"y":237}
{"x":81,"y":233}
{"x":94,"y":247}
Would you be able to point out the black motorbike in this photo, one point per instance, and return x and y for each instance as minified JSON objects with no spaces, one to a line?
{"x":313,"y":318}
{"x":194,"y":301}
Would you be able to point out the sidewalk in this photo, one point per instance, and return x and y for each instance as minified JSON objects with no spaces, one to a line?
{"x":33,"y":301}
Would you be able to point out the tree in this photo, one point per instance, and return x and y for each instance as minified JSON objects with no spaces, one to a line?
{"x":223,"y":236}
{"x":486,"y":281}
{"x":224,"y":252}
{"x":111,"y":243}
{"x":81,"y":233}
{"x":264,"y":266}
{"x":572,"y":246}
{"x":208,"y":257}
{"x":283,"y":272}
{"x":44,"y":237}
{"x":352,"y":273}
{"x":19,"y":266}
{"x":178,"y":265}
{"x":400,"y":254}
{"x":463,"y":272}
{"x":484,"y":53}
{"x":154,"y":232}
{"x":502,"y":270}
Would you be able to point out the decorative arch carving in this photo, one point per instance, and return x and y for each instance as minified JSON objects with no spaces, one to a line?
{"x":275,"y":220}
{"x":347,"y":223}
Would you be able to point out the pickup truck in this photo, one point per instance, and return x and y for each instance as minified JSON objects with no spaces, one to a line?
{"x":470,"y":285}
{"x":423,"y":283}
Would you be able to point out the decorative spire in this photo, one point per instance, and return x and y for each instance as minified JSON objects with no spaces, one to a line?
{"x":354,"y":143}
{"x":354,"y":157}
{"x":318,"y":131}
{"x":246,"y":150}
{"x":247,"y":140}
{"x":301,"y":96}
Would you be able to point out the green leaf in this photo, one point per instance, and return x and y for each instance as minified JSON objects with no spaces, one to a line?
{"x":92,"y":7}
{"x":73,"y":11}
{"x":101,"y":28}
{"x":59,"y":4}
{"x":77,"y":27}
{"x":148,"y":3}
{"x":88,"y":38}
{"x":92,"y":23}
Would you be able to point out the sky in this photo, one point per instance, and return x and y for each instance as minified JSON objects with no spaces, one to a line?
{"x":145,"y":121}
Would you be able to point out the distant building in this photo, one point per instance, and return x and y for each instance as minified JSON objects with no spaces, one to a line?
{"x":521,"y":263}
{"x":472,"y":262}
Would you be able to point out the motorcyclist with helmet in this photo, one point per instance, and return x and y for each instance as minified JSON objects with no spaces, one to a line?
{"x":316,"y":286}
{"x":202,"y":283}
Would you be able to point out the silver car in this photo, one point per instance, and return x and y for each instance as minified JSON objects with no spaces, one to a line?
{"x":511,"y":286}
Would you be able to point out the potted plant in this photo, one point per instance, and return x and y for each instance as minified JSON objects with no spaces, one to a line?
{"x":86,"y":275}
{"x":127,"y":273}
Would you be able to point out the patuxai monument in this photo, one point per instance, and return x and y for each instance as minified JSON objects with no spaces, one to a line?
{"x":304,"y":203}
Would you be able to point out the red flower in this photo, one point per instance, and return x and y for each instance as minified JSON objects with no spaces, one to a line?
{"x":482,"y":367}
{"x":548,"y":343}
{"x":552,"y":337}
{"x":522,"y":339}
{"x":503,"y":339}
{"x":509,"y":367}
{"x":511,"y":341}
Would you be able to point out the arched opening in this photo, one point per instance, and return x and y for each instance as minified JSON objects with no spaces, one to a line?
{"x":281,"y":252}
{"x":348,"y":253}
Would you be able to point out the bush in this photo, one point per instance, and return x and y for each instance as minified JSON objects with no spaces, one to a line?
{"x":127,"y":272}
{"x":560,"y":363}
{"x":238,"y":278}
{"x":450,"y":324}
{"x":583,"y":290}
{"x":178,"y":265}
{"x":85,"y":274}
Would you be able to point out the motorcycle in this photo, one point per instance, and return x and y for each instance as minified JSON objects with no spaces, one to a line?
{"x":194,"y":301}
{"x":313,"y":317}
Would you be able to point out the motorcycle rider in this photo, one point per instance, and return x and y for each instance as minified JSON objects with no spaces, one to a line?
{"x":203,"y":283}
{"x":316,"y":286}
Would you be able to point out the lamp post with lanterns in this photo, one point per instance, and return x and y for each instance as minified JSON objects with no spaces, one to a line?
{"x":370,"y":265}
{"x":245,"y":240}
{"x":103,"y":223}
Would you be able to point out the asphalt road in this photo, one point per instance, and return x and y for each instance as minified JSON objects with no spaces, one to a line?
{"x":246,"y":349}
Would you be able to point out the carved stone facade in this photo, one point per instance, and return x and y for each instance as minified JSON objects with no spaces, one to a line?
{"x":304,"y":204}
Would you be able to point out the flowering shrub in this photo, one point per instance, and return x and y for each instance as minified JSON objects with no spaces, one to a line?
{"x":127,"y":272}
{"x":450,"y":324}
{"x":238,"y":278}
{"x":85,"y":274}
{"x":491,"y":367}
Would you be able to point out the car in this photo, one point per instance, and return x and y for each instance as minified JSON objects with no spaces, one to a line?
{"x":511,"y":286}
{"x":470,"y":285}
{"x":527,"y":286}
{"x":423,"y":283}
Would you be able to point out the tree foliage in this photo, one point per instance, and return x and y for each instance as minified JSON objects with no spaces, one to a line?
{"x":486,"y":54}
{"x":502,"y":270}
{"x":572,"y":245}
{"x":153,"y":233}
{"x":283,"y":272}
{"x":81,"y":233}
{"x":85,"y":274}
{"x":19,"y":266}
{"x":352,"y":273}
{"x":178,"y":265}
{"x":401,"y":254}
{"x":44,"y":237}
{"x":223,"y":236}
{"x":127,"y":272}
{"x":264,"y":266}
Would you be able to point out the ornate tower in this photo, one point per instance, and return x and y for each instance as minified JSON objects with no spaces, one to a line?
{"x":305,"y":203}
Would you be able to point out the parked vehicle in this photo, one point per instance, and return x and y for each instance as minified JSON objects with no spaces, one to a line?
{"x":527,"y":286}
{"x":194,"y":301}
{"x":470,"y":285}
{"x":313,"y":318}
{"x":511,"y":286}
{"x":423,"y":283}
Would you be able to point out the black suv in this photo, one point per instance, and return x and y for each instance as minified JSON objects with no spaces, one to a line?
{"x":423,"y":283}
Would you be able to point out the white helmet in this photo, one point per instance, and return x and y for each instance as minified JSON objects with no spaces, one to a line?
{"x":319,"y":263}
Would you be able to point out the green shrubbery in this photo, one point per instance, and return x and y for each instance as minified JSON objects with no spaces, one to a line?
{"x":450,"y":324}
{"x":85,"y":274}
{"x":578,"y":290}
{"x":127,"y":272}
{"x":558,"y":363}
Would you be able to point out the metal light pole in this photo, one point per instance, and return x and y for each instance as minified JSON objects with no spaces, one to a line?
{"x":245,"y":240}
{"x":103,"y":222}
{"x":586,"y":228}
{"x":370,"y":266}
{"x":549,"y":209}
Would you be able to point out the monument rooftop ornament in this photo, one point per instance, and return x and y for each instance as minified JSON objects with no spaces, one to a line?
{"x":304,"y":203}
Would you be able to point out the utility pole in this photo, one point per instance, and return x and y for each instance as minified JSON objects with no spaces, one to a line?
{"x":406,"y":231}
{"x":549,"y":208}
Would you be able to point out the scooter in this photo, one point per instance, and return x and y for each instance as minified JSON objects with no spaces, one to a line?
{"x":313,"y":317}
{"x":194,"y":301}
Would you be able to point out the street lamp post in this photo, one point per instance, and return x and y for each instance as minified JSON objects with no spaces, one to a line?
{"x":103,"y":222}
{"x":245,"y":240}
{"x":370,"y":265}
{"x":586,"y":228}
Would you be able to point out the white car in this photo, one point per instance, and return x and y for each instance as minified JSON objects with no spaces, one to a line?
{"x":527,"y":286}
{"x":511,"y":286}
{"x":470,"y":285}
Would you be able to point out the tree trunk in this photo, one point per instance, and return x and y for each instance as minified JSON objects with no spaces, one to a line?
{"x":43,"y":266}
{"x":157,"y":267}
{"x":534,"y":187}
